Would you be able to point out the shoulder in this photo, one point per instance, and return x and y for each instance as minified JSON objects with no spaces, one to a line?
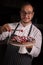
{"x":36,"y":30}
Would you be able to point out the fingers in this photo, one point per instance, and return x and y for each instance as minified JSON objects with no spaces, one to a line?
{"x":6,"y":27}
{"x":29,"y":46}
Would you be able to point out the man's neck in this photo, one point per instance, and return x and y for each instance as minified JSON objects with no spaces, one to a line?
{"x":25,"y":23}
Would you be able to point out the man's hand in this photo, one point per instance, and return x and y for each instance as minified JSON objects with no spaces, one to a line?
{"x":29,"y":46}
{"x":4,"y":28}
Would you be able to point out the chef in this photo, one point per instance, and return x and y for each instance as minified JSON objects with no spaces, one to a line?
{"x":23,"y":55}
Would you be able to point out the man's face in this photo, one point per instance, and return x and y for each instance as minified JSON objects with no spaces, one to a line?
{"x":26,"y":13}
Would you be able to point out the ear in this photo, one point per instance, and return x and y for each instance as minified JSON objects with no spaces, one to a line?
{"x":33,"y":13}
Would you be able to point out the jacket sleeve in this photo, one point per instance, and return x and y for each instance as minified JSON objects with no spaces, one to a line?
{"x":4,"y":35}
{"x":37,"y":47}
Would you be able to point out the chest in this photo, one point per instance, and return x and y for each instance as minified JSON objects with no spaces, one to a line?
{"x":23,"y":31}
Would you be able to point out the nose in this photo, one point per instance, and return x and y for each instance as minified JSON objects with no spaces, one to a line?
{"x":26,"y":15}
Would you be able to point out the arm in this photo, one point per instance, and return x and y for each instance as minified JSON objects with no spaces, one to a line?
{"x":4,"y":35}
{"x":37,"y":47}
{"x":4,"y":31}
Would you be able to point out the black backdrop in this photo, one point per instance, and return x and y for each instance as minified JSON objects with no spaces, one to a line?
{"x":10,"y":8}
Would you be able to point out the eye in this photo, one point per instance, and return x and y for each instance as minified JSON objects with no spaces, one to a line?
{"x":24,"y":12}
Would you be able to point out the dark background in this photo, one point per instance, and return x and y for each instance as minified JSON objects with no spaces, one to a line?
{"x":9,"y":12}
{"x":9,"y":8}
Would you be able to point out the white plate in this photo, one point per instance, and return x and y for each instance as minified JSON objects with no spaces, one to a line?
{"x":20,"y":44}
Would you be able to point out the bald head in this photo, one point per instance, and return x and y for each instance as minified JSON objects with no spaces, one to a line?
{"x":27,"y":8}
{"x":27,"y":4}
